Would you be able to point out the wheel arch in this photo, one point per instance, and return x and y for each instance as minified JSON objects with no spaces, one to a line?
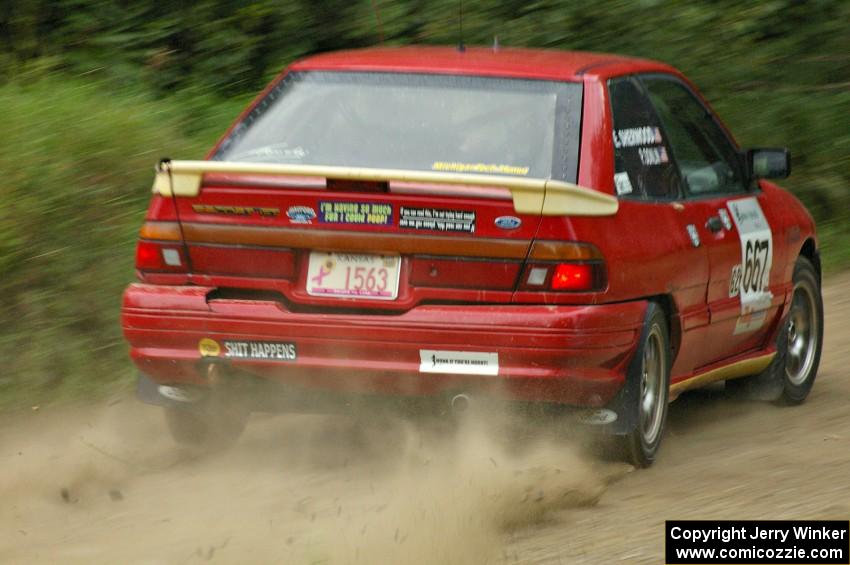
{"x":671,"y":313}
{"x":811,"y":252}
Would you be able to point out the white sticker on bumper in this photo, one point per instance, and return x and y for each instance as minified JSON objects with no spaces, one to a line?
{"x":458,"y":362}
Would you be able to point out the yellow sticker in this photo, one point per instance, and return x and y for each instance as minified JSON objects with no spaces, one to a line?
{"x":209,"y":347}
{"x":485,"y":168}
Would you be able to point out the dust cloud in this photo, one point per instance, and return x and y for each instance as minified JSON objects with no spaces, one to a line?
{"x":80,"y":485}
{"x":107,"y":485}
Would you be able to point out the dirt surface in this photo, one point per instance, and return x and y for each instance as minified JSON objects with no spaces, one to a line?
{"x":107,"y":485}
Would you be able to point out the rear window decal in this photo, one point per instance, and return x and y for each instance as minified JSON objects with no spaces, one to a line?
{"x":362,"y":213}
{"x":653,"y":155}
{"x":437,"y":219}
{"x":632,"y":137}
{"x":458,"y":362}
{"x":622,"y":183}
{"x":482,"y":168}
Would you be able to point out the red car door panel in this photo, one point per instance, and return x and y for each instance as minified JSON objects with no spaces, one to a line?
{"x":737,"y":234}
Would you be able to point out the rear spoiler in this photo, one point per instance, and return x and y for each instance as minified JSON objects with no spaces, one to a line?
{"x":530,"y":196}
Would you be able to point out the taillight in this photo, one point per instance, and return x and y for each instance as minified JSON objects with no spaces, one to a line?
{"x":572,"y":276}
{"x":564,"y":267}
{"x":160,"y":256}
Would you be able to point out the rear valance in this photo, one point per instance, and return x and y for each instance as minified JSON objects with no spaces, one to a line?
{"x":530,"y":196}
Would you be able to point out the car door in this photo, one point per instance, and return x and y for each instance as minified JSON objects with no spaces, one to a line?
{"x":664,"y":232}
{"x":729,"y":215}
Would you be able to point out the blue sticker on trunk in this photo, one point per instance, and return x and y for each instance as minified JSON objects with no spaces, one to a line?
{"x":358,"y":213}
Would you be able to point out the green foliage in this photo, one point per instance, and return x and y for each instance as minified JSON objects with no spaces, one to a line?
{"x":92,"y":92}
{"x":77,"y":162}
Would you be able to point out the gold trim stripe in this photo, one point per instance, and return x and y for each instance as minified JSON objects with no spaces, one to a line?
{"x":745,"y":368}
{"x":530,"y":196}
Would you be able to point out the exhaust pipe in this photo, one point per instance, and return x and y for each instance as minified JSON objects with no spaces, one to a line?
{"x":460,"y":403}
{"x":214,"y":374}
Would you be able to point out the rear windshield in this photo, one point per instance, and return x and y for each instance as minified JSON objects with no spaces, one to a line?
{"x":463,"y":124}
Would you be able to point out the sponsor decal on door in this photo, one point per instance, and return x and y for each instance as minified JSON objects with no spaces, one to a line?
{"x":753,"y":275}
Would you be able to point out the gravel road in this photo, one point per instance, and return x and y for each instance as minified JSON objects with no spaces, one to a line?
{"x":105,"y":483}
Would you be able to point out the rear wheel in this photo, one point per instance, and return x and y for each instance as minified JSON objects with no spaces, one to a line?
{"x":650,"y":375}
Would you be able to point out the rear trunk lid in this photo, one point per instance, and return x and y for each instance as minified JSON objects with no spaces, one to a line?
{"x":382,"y":190}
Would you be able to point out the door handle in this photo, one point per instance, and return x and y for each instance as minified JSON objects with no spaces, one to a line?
{"x":714,"y":224}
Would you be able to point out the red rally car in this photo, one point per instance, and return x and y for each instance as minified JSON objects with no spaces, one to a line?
{"x":558,"y":229}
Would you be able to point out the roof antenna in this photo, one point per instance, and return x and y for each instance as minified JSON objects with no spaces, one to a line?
{"x":496,"y":43}
{"x":460,"y":45}
{"x":378,"y":19}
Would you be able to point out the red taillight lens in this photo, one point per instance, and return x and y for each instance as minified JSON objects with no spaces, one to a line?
{"x":564,"y":277}
{"x":573,"y":276}
{"x":568,"y":266}
{"x":159,"y":256}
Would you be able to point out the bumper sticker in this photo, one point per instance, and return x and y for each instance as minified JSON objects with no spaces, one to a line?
{"x":458,"y":362}
{"x":359,"y":213}
{"x":300,"y":214}
{"x":263,"y":350}
{"x":209,"y":347}
{"x":437,"y":219}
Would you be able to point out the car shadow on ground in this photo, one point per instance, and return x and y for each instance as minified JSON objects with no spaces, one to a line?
{"x":701,"y":408}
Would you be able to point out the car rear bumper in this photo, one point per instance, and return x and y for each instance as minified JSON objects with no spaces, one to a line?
{"x":574,"y":355}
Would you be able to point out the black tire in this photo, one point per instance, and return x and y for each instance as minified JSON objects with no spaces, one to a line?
{"x":206,"y":425}
{"x":649,"y":375}
{"x":803,"y":335}
{"x":791,"y":375}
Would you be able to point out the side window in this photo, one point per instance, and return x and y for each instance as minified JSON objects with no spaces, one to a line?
{"x":707,"y":161}
{"x":643,"y":167}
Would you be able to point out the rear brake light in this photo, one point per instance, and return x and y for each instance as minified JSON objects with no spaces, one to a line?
{"x":159,"y":256}
{"x":564,"y":266}
{"x":572,"y":276}
{"x":587,"y":276}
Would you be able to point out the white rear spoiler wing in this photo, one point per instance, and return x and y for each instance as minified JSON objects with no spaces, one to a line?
{"x":530,"y":196}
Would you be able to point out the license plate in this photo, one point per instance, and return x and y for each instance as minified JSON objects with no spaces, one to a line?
{"x":353,"y":275}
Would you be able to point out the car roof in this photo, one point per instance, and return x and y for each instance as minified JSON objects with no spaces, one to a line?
{"x":545,"y":64}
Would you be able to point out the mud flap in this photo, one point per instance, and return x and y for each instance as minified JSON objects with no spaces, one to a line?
{"x":625,"y":403}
